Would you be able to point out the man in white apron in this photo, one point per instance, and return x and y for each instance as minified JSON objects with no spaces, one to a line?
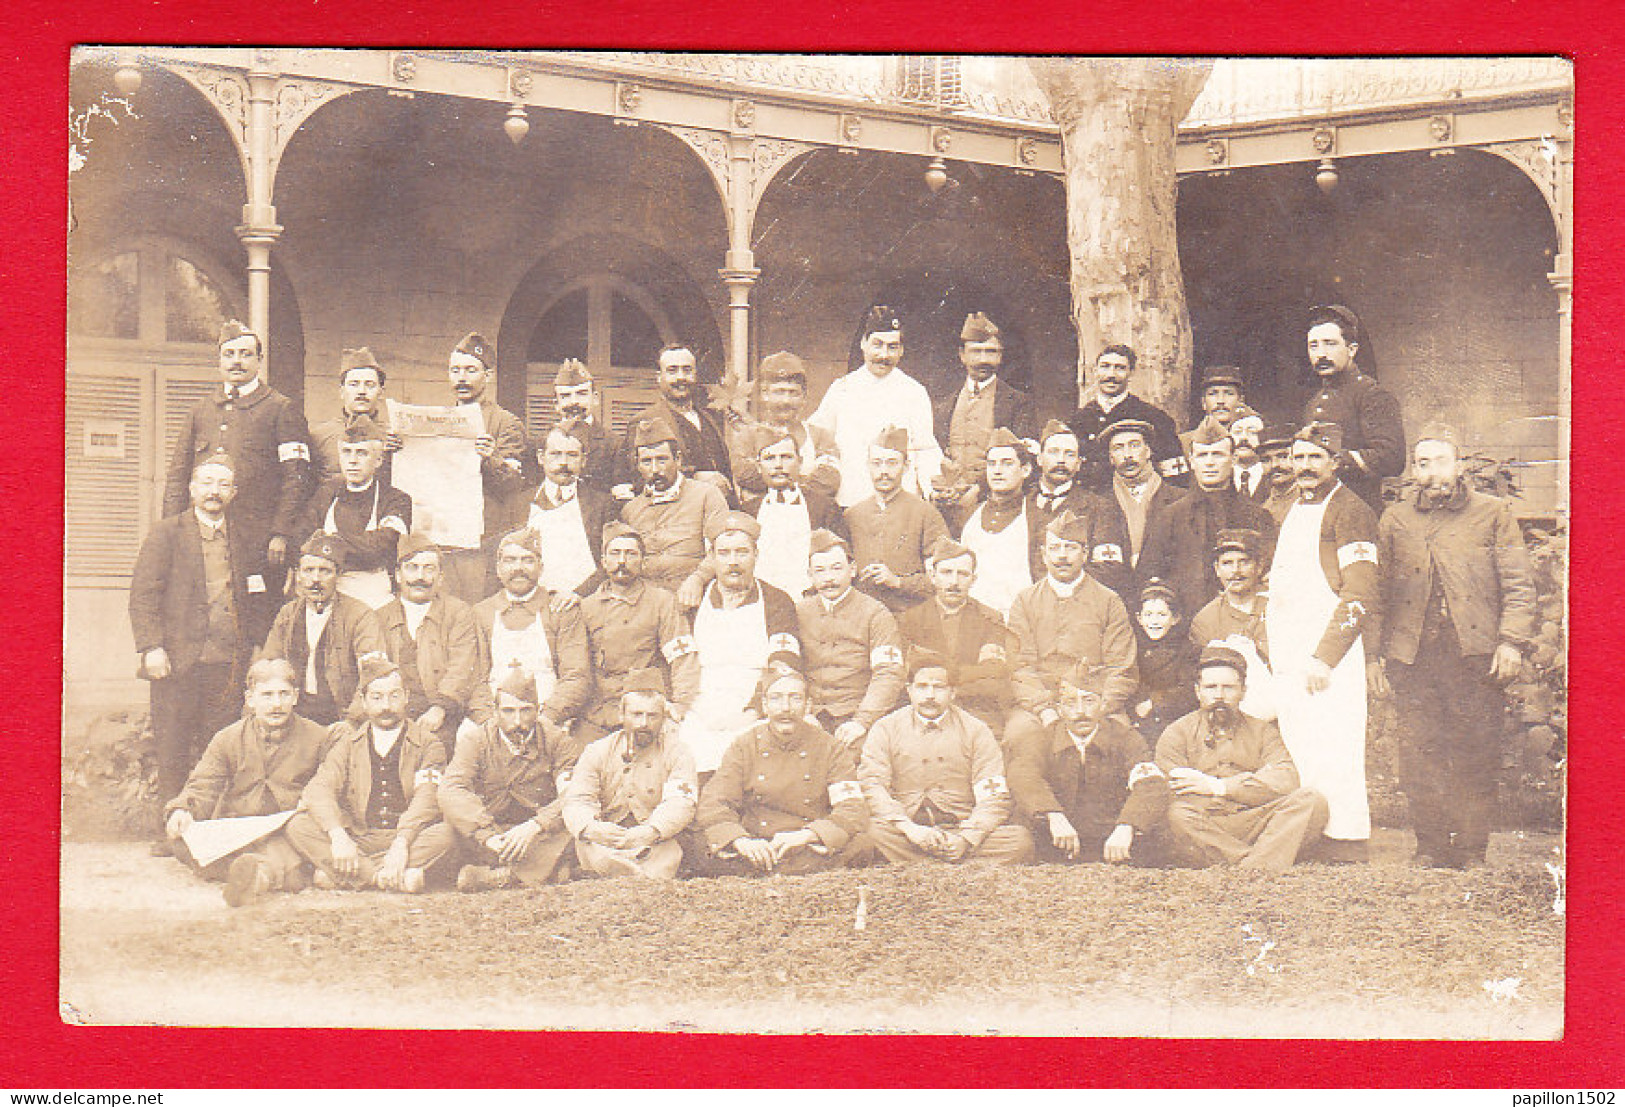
{"x":1002,"y":531}
{"x":740,"y":622}
{"x":367,"y":516}
{"x":1323,"y":590}
{"x":567,"y":514}
{"x":520,"y":627}
{"x":789,"y":511}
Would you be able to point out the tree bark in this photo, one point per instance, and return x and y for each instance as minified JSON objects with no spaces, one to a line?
{"x":1118,"y":118}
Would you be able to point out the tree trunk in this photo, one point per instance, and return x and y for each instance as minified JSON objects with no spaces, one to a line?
{"x":1118,"y":118}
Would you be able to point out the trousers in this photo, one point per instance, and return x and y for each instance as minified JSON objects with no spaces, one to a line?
{"x":542,"y":863}
{"x":1450,"y":726}
{"x":858,"y":853}
{"x":1008,"y":845}
{"x":187,"y":709}
{"x":427,"y":849}
{"x":658,"y":862}
{"x":1265,"y":837}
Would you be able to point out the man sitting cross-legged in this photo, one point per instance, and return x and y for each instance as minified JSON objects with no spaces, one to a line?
{"x":501,"y":793}
{"x":255,"y":766}
{"x":786,"y":797}
{"x":934,"y":779}
{"x":370,"y":815}
{"x":634,"y":790}
{"x":1236,"y":798}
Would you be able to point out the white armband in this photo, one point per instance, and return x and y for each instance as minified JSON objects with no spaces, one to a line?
{"x":843,"y":790}
{"x":677,"y":789}
{"x":990,"y":788}
{"x":1145,"y":770}
{"x":427,"y":775}
{"x":1108,"y":551}
{"x":885,"y":655}
{"x":293,"y":451}
{"x":1356,"y":551}
{"x":783,"y":643}
{"x":680,"y":646}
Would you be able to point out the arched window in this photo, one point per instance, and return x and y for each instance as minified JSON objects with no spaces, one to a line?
{"x":146,"y":294}
{"x":616,"y":329}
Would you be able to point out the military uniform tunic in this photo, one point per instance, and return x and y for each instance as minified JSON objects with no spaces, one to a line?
{"x":767,"y":785}
{"x":854,"y":656}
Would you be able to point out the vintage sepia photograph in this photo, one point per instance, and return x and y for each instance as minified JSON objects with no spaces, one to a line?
{"x":781,"y":544}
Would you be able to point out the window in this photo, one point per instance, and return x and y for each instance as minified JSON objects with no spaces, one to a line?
{"x":147,"y":294}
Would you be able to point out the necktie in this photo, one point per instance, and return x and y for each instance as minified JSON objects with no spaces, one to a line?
{"x":1246,"y":482}
{"x":516,"y":616}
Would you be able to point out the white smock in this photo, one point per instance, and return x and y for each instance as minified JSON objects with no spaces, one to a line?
{"x":566,"y":557}
{"x":732,"y":645}
{"x":781,"y":557}
{"x":1324,"y":732}
{"x":1003,"y":568}
{"x":528,"y":646}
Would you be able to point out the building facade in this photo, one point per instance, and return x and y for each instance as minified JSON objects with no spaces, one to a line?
{"x":598,"y":205}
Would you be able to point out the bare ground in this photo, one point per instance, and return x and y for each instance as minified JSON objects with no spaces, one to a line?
{"x":1384,"y":950}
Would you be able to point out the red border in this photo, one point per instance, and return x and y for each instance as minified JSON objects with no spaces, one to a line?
{"x":38,"y":1051}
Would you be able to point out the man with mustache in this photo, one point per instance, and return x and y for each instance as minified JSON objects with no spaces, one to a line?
{"x":431,"y":636}
{"x":782,"y":380}
{"x":1373,"y":430}
{"x":1459,"y":610}
{"x":264,"y":434}
{"x":1235,"y":796}
{"x":324,"y":634}
{"x":568,"y":512}
{"x":523,"y":626}
{"x":1178,"y":545}
{"x":194,"y":615}
{"x":502,"y":793}
{"x":872,"y":397}
{"x":365,"y":514}
{"x":1322,"y":610}
{"x":786,"y":798}
{"x":934,"y":778}
{"x":256,"y":766}
{"x":471,"y":370}
{"x":1087,"y":786}
{"x":672,"y":513}
{"x":1222,"y":402}
{"x":1127,"y":511}
{"x":854,"y":653}
{"x":575,"y":399}
{"x":1279,"y":487}
{"x":894,"y":528}
{"x":1058,"y":488}
{"x":370,"y":817}
{"x":1005,"y":530}
{"x":699,"y":435}
{"x":1238,"y":609}
{"x":967,"y":417}
{"x":361,"y":395}
{"x":633,"y":791}
{"x":969,"y":635}
{"x":634,"y":626}
{"x":789,"y":510}
{"x":1112,"y":402}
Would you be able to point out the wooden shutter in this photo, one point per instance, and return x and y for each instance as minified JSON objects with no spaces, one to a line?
{"x":104,"y":469}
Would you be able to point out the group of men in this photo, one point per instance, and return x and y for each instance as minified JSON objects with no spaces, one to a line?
{"x":780,"y":642}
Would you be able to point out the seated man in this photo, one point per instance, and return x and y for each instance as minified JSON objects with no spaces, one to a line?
{"x":255,"y":766}
{"x":970,"y":636}
{"x":370,"y":816}
{"x":1088,"y":784}
{"x":786,"y":798}
{"x":672,"y":513}
{"x":524,"y":625}
{"x":363,"y":512}
{"x":934,"y":779}
{"x":853,"y":651}
{"x":893,"y":529}
{"x":1236,"y":798}
{"x":1067,"y":618}
{"x":633,"y":625}
{"x":739,"y":624}
{"x":501,"y":793}
{"x":633,"y":791}
{"x":430,"y":635}
{"x":326,"y":635}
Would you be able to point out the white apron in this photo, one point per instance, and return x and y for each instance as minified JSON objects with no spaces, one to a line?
{"x":1325,"y":732}
{"x":732,"y":645}
{"x":566,"y":556}
{"x":781,"y":557}
{"x":1002,"y":565}
{"x":528,"y":647}
{"x":371,"y":586}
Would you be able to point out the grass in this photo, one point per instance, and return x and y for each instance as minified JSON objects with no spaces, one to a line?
{"x":1014,"y":943}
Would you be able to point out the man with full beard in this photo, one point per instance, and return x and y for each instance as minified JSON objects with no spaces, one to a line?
{"x":1459,"y":612}
{"x":1235,"y":797}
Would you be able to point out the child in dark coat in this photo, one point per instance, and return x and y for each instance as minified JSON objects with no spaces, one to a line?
{"x":1167,"y":663}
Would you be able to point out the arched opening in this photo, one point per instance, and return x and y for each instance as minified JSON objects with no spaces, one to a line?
{"x":610,"y":301}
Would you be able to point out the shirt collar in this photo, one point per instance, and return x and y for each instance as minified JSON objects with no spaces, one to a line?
{"x":242,"y":389}
{"x":525,"y":599}
{"x":1110,"y":404}
{"x":211,"y":528}
{"x":520,"y":749}
{"x":831,"y":605}
{"x":1080,"y":743}
{"x":973,"y":389}
{"x":713,"y":593}
{"x":669,"y":494}
{"x":790,"y":495}
{"x":1064,"y":591}
{"x":384,"y":740}
{"x":559,"y":494}
{"x":1060,"y":492}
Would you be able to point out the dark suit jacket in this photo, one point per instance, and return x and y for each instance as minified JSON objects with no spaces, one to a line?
{"x":985,"y":655}
{"x":1110,"y":553}
{"x":447,"y":650}
{"x":1012,"y":409}
{"x":1179,"y":542}
{"x":169,"y":600}
{"x":1047,"y":774}
{"x":704,"y":448}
